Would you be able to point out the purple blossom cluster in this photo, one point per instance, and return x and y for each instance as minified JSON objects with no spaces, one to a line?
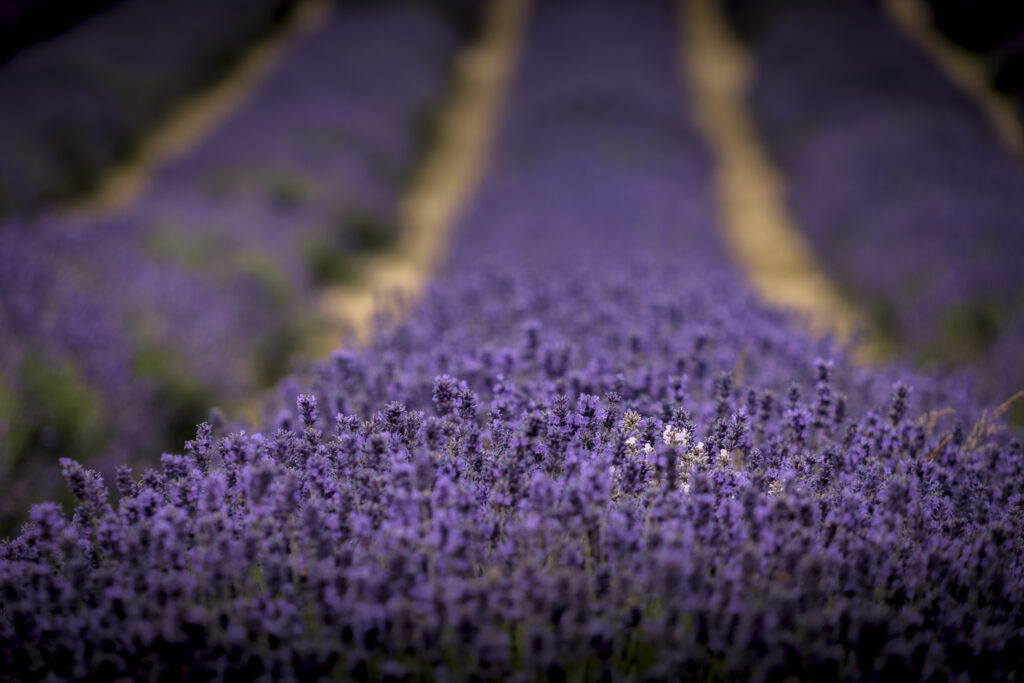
{"x":588,"y":454}
{"x":76,"y":104}
{"x":665,"y":528}
{"x":910,"y":201}
{"x":118,"y":333}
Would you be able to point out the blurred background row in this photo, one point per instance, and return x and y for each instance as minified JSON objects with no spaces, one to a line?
{"x":119,"y":330}
{"x":909,"y":197}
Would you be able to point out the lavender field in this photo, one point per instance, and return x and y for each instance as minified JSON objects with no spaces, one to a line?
{"x":587,"y":450}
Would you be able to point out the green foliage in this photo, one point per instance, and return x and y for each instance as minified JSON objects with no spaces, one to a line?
{"x":1015,"y":415}
{"x":329,"y":265}
{"x":182,"y":397}
{"x":320,"y":137}
{"x":971,"y":329}
{"x":426,"y":127}
{"x":366,"y":231}
{"x":261,"y":266}
{"x":8,"y":424}
{"x":51,"y":411}
{"x":885,"y":324}
{"x":290,"y":190}
{"x":193,"y":250}
{"x":273,"y":353}
{"x":284,"y":188}
{"x":219,"y":184}
{"x":80,"y":170}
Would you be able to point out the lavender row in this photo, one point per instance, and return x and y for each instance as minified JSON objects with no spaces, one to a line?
{"x":79,"y":102}
{"x":119,"y":333}
{"x":589,"y":454}
{"x":904,"y":191}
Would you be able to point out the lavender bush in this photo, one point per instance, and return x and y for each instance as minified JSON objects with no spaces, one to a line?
{"x":907,"y":196}
{"x":589,"y":454}
{"x":117,"y":334}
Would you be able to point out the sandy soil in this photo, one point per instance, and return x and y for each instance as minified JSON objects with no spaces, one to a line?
{"x":443,"y":186}
{"x":750,"y":192}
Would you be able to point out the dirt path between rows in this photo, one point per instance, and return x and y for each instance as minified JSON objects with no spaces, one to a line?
{"x":750,"y":193}
{"x":966,"y":70}
{"x":443,"y":186}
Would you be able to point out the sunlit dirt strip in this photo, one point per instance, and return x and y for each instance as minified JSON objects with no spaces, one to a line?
{"x":966,"y":70}
{"x":444,"y":184}
{"x":749,"y":191}
{"x":198,"y":116}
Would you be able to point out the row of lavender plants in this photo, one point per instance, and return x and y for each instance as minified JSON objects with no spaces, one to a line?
{"x":904,"y":191}
{"x":79,"y":102}
{"x":117,"y":334}
{"x":589,"y":454}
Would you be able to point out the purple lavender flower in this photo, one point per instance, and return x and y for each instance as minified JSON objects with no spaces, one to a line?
{"x":696,"y":522}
